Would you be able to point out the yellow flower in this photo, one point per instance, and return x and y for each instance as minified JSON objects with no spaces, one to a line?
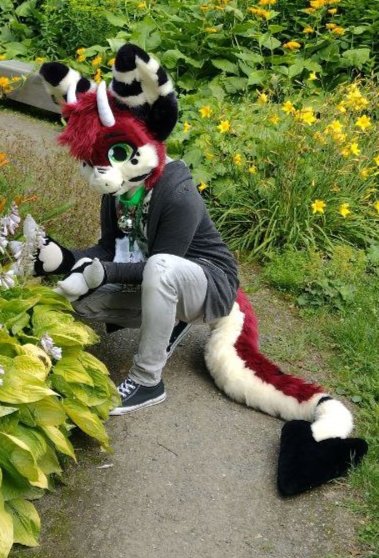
{"x":224,"y":126}
{"x":80,"y":54}
{"x":267,"y":2}
{"x":97,"y":76}
{"x":332,"y":11}
{"x":318,"y":206}
{"x":306,"y":115}
{"x":211,"y":29}
{"x":341,"y":107}
{"x":331,"y":26}
{"x":308,"y":30}
{"x":376,"y":206}
{"x":186,"y":127}
{"x":2,"y":57}
{"x":354,"y":98}
{"x":3,"y":159}
{"x":111,"y":61}
{"x":39,"y":60}
{"x":364,"y":173}
{"x":345,"y":152}
{"x":309,"y":10}
{"x":338,"y":31}
{"x":262,"y":99}
{"x":354,"y":149}
{"x":5,"y":84}
{"x":376,"y":160}
{"x":335,"y":127}
{"x":260,"y":12}
{"x":363,"y":122}
{"x":317,"y":4}
{"x":292,"y":45}
{"x":97,"y":61}
{"x":237,"y":159}
{"x":274,"y":119}
{"x":202,"y":186}
{"x":344,"y":209}
{"x":288,"y":107}
{"x":312,"y":76}
{"x":253,"y":169}
{"x":206,"y":111}
{"x":141,"y":5}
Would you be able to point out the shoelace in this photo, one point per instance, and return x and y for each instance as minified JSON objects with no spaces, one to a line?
{"x":126,"y":387}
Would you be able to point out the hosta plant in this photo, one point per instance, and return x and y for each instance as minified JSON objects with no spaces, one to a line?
{"x":49,"y":384}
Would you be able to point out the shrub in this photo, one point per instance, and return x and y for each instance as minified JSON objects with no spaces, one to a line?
{"x":302,"y":173}
{"x":49,"y":383}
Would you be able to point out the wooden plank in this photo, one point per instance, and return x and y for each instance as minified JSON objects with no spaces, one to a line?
{"x":32,"y":92}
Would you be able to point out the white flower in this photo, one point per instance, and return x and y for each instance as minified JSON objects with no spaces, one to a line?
{"x":48,"y":346}
{"x":6,"y":279}
{"x":10,"y":222}
{"x":3,"y":243}
{"x":2,"y":372}
{"x":35,"y":238}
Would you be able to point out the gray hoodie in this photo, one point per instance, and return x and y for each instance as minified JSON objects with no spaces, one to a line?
{"x":178,"y":223}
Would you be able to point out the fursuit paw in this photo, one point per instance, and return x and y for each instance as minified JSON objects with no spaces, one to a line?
{"x":86,"y":276}
{"x":53,"y":258}
{"x":304,"y":463}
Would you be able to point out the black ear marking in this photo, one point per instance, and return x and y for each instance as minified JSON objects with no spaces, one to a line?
{"x":58,"y":78}
{"x":140,"y":84}
{"x":54,"y":72}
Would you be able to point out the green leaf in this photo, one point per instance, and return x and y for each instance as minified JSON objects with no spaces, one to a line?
{"x":86,"y":420}
{"x":4,"y":411}
{"x":72,"y":371}
{"x":225,"y":65}
{"x":116,"y":20}
{"x":268,"y":41}
{"x":170,"y":58}
{"x":234,"y":84}
{"x":48,"y":412}
{"x":60,"y":441}
{"x":357,"y":56}
{"x":61,"y":327}
{"x":257,"y":77}
{"x":296,"y":68}
{"x":26,"y":522}
{"x":6,"y":532}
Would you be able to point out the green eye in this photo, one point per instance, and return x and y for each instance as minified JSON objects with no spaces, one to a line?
{"x":119,"y":153}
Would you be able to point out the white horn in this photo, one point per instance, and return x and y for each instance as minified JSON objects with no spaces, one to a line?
{"x":104,"y":110}
{"x":71,"y":92}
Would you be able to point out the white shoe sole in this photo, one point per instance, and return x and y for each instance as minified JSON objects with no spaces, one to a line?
{"x":118,"y":411}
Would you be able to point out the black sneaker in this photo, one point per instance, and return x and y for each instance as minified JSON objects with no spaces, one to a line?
{"x":134,"y":396}
{"x":177,"y":335}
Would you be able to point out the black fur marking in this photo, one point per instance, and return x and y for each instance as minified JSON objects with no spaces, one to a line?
{"x":83,"y":85}
{"x":126,"y":57}
{"x":139,"y":178}
{"x":323,"y":399}
{"x":163,"y":116}
{"x":125,"y":90}
{"x":304,"y":463}
{"x":68,"y":261}
{"x":54,"y":72}
{"x":162,"y":76}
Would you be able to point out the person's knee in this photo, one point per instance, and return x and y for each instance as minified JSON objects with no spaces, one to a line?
{"x":160,"y":269}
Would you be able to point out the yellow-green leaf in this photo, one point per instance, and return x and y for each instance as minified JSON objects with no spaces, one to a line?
{"x":26,"y":522}
{"x":6,"y":532}
{"x":60,"y":441}
{"x":86,"y":420}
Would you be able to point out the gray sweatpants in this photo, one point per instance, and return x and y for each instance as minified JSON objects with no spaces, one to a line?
{"x":172,"y":288}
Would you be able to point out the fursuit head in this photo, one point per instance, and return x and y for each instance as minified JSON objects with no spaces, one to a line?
{"x":117,"y":134}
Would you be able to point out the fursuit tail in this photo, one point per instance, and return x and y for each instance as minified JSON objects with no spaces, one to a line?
{"x":314,"y":444}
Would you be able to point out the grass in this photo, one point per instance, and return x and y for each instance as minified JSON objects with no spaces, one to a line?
{"x":50,"y":180}
{"x":347,"y":333}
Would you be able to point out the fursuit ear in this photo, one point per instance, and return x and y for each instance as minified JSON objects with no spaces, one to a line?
{"x":140,"y":83}
{"x":63,"y":83}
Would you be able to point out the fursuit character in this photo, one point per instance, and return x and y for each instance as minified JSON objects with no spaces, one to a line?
{"x":160,"y":262}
